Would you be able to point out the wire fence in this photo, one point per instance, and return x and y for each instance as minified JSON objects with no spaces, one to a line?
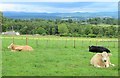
{"x":62,"y":42}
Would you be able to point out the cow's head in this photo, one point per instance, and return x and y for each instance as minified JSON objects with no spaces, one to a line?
{"x":90,"y":46}
{"x":105,"y":56}
{"x":10,"y":46}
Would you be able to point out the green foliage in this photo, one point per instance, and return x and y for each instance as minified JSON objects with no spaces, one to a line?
{"x":43,"y":34}
{"x":75,"y":35}
{"x":63,"y":27}
{"x":64,"y":35}
{"x":40,"y":30}
{"x":91,"y":35}
{"x":1,"y":15}
{"x":88,"y":30}
{"x":106,"y":20}
{"x":1,"y":18}
{"x":95,"y":30}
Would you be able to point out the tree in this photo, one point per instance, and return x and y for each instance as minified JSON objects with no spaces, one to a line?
{"x":95,"y":30}
{"x":70,"y":20}
{"x":62,"y":28}
{"x":55,"y":29}
{"x":87,"y":30}
{"x":41,"y":30}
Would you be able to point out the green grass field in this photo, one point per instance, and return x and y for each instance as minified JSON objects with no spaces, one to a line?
{"x":56,"y":56}
{"x":0,"y":56}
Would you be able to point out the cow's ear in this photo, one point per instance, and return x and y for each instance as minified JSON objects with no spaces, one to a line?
{"x":99,"y":54}
{"x":109,"y":54}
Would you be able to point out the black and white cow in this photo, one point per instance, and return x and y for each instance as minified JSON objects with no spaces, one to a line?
{"x":98,"y":49}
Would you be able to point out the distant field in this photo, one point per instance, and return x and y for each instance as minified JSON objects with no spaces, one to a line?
{"x":56,"y":56}
{"x":105,"y":25}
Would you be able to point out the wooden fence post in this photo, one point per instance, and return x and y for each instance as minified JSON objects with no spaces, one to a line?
{"x":13,"y":40}
{"x":74,"y":44}
{"x":114,"y":44}
{"x":90,"y":42}
{"x":96,"y":42}
{"x":108,"y":43}
{"x":47,"y":43}
{"x":82,"y":43}
{"x":66,"y":43}
{"x":26,"y":41}
{"x":37,"y":42}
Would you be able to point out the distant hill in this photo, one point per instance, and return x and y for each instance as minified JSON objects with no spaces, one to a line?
{"x":75,"y":15}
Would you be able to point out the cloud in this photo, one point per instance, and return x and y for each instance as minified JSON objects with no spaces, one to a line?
{"x":6,"y":7}
{"x":102,"y":7}
{"x":59,"y":7}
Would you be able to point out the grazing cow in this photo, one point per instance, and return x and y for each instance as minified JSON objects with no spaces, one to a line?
{"x":98,"y":49}
{"x":14,"y":47}
{"x":101,"y":60}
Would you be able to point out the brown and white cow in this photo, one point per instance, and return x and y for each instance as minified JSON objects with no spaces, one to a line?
{"x":14,"y":47}
{"x":101,"y":60}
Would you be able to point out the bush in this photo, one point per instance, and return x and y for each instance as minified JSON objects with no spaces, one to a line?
{"x":70,"y":35}
{"x":91,"y":35}
{"x":110,"y":36}
{"x":75,"y":35}
{"x":99,"y":36}
{"x":43,"y":34}
{"x":84,"y":35}
{"x":57,"y":34}
{"x":64,"y":35}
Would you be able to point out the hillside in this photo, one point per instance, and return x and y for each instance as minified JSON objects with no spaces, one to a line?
{"x":75,"y":15}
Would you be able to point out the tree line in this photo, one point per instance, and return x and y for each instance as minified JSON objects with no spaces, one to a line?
{"x":82,"y":28}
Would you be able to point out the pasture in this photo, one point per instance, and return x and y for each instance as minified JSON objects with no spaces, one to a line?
{"x":56,"y":56}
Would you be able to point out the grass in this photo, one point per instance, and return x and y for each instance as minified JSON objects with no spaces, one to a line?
{"x":106,"y":25}
{"x":0,"y":57}
{"x":53,"y":56}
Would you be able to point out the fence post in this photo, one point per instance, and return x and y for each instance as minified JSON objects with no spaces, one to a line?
{"x":66,"y":43}
{"x":26,"y":41}
{"x":114,"y":44}
{"x":57,"y":42}
{"x":74,"y":44}
{"x":37,"y":42}
{"x":90,"y":42}
{"x":108,"y":43}
{"x":82,"y":43}
{"x":96,"y":42}
{"x":13,"y":40}
{"x":47,"y":43}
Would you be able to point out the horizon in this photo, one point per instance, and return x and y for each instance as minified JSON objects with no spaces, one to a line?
{"x":59,"y":7}
{"x":56,"y":12}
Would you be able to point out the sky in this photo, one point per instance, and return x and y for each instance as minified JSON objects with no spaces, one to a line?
{"x":61,"y":6}
{"x":59,"y":0}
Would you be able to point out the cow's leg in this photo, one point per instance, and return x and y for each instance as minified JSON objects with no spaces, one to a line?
{"x":13,"y":50}
{"x":97,"y":66}
{"x":112,"y":64}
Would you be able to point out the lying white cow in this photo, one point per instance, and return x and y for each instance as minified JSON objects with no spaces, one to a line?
{"x":101,"y":60}
{"x":14,"y":47}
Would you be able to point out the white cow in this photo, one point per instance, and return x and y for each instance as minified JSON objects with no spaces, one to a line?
{"x":101,"y":60}
{"x":14,"y":47}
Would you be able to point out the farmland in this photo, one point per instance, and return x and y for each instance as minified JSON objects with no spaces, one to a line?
{"x":56,"y":56}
